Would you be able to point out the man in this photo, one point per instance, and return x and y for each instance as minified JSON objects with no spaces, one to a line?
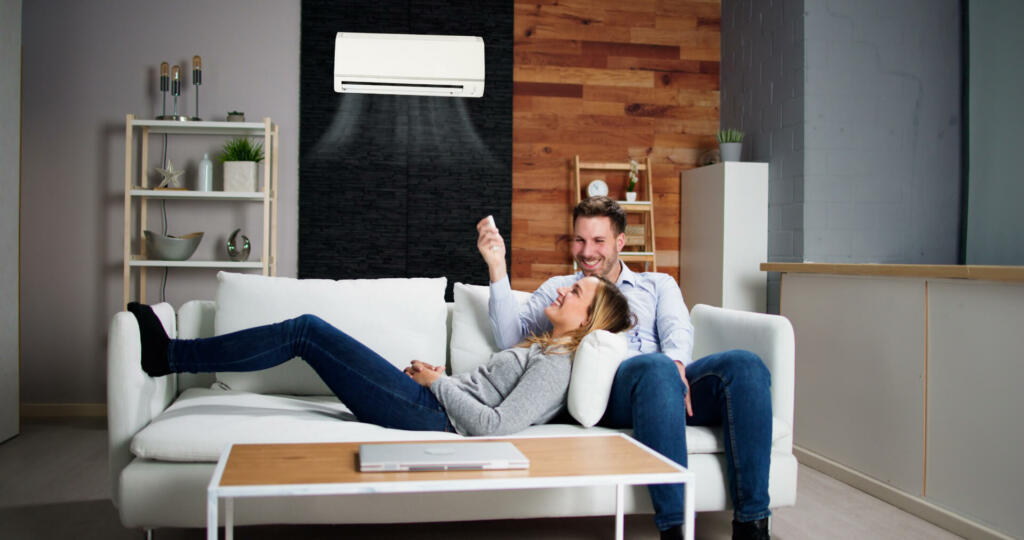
{"x":652,"y":390}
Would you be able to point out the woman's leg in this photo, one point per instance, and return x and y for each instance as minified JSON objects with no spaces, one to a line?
{"x":376,"y":391}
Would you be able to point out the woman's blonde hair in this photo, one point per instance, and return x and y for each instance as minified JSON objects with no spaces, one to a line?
{"x":608,"y":311}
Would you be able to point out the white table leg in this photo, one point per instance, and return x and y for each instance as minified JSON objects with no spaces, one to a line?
{"x":211,"y":515}
{"x":619,"y":495}
{"x":229,"y":518}
{"x":688,"y":513}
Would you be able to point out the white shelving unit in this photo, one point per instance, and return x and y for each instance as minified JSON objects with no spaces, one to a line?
{"x":137,"y":195}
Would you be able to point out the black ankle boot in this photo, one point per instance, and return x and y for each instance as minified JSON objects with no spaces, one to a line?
{"x":750,"y":530}
{"x":154,"y":340}
{"x":672,"y":533}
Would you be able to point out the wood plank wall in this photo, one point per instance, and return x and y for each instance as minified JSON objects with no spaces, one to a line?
{"x":608,"y":80}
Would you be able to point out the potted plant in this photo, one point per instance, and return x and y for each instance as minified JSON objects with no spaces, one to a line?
{"x":631,"y":182}
{"x":730,"y":144}
{"x":240,"y":157}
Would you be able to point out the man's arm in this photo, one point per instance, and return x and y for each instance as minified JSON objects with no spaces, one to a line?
{"x":675,"y":331}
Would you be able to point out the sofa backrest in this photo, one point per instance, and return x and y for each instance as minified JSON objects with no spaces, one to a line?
{"x":400,"y":318}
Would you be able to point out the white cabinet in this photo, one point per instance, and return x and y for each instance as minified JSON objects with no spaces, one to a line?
{"x":723,"y":235}
{"x":137,"y":196}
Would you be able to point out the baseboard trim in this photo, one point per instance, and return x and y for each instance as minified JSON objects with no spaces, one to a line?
{"x":63,"y":410}
{"x":928,"y":511}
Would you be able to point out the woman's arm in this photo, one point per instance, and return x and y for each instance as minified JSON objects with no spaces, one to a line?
{"x":539,"y":391}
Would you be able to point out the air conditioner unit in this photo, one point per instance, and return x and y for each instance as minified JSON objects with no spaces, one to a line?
{"x":409,"y":64}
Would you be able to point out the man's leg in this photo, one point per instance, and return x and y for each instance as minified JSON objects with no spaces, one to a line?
{"x":647,"y":395}
{"x":731,"y":389}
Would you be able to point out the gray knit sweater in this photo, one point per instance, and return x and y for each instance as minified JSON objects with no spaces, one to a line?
{"x":516,"y":388}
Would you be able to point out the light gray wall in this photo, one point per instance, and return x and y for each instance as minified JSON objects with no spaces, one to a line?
{"x":762,"y":94}
{"x":10,"y":161}
{"x":882,"y":131}
{"x":87,"y":64}
{"x":995,"y":223}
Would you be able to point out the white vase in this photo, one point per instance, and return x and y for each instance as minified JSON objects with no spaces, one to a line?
{"x":240,"y":176}
{"x":730,"y":151}
{"x":630,"y":196}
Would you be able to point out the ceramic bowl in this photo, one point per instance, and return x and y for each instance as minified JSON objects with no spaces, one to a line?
{"x":171,"y":248}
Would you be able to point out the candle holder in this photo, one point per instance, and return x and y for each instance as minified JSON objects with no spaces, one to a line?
{"x":175,"y":91}
{"x":197,"y":79}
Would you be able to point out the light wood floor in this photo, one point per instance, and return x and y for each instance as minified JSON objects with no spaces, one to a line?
{"x":53,"y":485}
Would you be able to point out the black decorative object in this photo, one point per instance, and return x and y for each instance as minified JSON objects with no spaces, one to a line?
{"x":393,"y":186}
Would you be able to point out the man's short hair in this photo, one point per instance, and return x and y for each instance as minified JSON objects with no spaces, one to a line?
{"x":601,"y":206}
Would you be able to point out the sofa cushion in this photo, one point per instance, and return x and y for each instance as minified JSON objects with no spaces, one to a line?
{"x":202,"y":422}
{"x":593,"y":370}
{"x":472,"y":338}
{"x":400,"y":318}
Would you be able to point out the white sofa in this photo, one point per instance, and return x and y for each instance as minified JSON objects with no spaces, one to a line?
{"x":166,"y":433}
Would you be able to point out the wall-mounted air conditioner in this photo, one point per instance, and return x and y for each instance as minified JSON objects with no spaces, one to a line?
{"x":419,"y":65}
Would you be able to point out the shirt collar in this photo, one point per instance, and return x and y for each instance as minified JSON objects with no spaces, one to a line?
{"x":625,"y":274}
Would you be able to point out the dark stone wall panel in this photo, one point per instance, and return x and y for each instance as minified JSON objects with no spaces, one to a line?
{"x":392,"y":186}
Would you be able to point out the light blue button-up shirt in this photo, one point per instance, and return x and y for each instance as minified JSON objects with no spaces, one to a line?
{"x":662,"y":320}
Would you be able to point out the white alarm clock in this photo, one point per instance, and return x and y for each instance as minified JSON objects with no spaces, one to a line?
{"x":596,"y":188}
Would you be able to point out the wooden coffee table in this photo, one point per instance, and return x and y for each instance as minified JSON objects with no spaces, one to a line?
{"x":274,"y":470}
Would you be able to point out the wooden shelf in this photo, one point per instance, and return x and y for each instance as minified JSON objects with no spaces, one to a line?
{"x":149,"y":263}
{"x":201,"y":127}
{"x":932,"y":271}
{"x":198,"y":195}
{"x":138,"y":196}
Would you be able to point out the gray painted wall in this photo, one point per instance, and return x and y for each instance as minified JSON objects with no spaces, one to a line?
{"x":882,"y":131}
{"x":762,"y":94}
{"x":856,"y":107}
{"x":10,"y":148}
{"x":995,"y":223}
{"x":87,"y":64}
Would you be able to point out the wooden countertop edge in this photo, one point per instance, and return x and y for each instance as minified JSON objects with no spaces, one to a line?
{"x":935,"y":271}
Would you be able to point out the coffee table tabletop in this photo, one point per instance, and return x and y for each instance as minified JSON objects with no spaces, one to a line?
{"x":264,"y":470}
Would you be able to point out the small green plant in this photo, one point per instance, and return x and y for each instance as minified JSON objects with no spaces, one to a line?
{"x":730,"y":136}
{"x":633,"y":169}
{"x":242,"y":149}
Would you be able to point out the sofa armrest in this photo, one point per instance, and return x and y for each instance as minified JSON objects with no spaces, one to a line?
{"x":768,"y":336}
{"x":133,"y":398}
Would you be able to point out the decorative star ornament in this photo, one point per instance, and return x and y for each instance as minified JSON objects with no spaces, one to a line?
{"x":171,"y":177}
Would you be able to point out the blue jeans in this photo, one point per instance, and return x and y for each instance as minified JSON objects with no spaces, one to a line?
{"x":729,"y":389}
{"x":373,"y":389}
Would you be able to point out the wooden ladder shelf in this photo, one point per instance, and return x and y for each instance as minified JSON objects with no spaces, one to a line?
{"x":639,"y":237}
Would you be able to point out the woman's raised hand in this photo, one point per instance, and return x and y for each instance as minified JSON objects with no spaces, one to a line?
{"x":492,"y":248}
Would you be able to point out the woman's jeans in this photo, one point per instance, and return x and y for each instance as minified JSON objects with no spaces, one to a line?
{"x":730,"y":389}
{"x":373,"y":389}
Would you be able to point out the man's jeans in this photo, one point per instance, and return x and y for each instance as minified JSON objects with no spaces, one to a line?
{"x":730,"y":389}
{"x":373,"y":389}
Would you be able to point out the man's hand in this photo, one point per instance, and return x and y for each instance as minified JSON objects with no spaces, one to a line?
{"x":424,"y":373}
{"x":492,"y":248}
{"x":686,"y":383}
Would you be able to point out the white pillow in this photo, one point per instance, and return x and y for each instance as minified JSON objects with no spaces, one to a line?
{"x":593,"y":370}
{"x":399,"y":318}
{"x":472,"y":337}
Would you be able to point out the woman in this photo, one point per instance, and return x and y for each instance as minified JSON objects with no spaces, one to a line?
{"x":518,"y":387}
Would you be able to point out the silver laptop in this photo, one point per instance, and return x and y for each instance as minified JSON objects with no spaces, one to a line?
{"x":441,"y":456}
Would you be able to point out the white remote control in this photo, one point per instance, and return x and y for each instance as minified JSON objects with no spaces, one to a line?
{"x":490,"y":220}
